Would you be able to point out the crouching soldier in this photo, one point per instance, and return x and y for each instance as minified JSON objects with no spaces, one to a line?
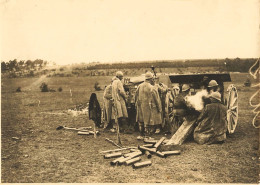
{"x":180,"y":108}
{"x":211,"y":124}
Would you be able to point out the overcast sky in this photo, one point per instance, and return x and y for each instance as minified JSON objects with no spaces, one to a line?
{"x":74,"y":31}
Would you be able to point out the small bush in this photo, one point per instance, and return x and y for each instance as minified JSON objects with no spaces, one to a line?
{"x":97,"y":86}
{"x":44,"y":87}
{"x":18,"y":89}
{"x":60,"y":89}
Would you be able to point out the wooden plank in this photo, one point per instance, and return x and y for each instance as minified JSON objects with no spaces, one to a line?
{"x":182,"y":133}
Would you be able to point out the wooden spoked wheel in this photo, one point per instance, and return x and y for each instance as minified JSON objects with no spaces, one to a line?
{"x":232,"y":105}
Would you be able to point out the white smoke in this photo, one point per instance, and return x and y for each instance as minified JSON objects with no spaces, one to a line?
{"x":196,"y":100}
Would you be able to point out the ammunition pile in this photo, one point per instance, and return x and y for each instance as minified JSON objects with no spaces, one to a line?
{"x":79,"y":109}
{"x":133,"y":154}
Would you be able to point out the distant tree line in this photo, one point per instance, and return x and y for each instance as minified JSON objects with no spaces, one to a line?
{"x":232,"y":65}
{"x":15,"y":65}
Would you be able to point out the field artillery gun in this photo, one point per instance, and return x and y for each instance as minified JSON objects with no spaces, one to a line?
{"x":197,"y":82}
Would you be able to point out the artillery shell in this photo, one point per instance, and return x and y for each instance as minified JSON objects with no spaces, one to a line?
{"x":148,"y":145}
{"x":92,"y":132}
{"x":160,"y":154}
{"x":114,"y":162}
{"x":115,"y":150}
{"x":129,"y":154}
{"x":158,"y":143}
{"x":175,"y":152}
{"x":135,"y":154}
{"x":150,"y":141}
{"x":134,"y":160}
{"x":142,"y":164}
{"x":133,"y":150}
{"x":117,"y":154}
{"x":143,"y":149}
{"x":83,"y":133}
{"x":148,"y":154}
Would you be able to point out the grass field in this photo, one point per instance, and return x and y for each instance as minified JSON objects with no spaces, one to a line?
{"x":40,"y":153}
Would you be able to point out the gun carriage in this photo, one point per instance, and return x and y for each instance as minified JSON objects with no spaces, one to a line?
{"x":197,"y":82}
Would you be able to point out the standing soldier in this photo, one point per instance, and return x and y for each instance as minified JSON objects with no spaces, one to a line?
{"x":108,"y":112}
{"x":143,"y":107}
{"x":119,"y":98}
{"x":156,"y":111}
{"x":162,"y":90}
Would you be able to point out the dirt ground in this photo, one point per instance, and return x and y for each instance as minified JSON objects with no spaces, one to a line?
{"x":33,"y":151}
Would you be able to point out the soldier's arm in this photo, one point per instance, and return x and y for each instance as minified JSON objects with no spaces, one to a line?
{"x":202,"y":115}
{"x":137,"y":93}
{"x":158,"y":105}
{"x":107,"y":93}
{"x":121,"y":89}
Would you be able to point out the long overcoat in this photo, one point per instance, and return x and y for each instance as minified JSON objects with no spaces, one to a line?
{"x":212,"y":124}
{"x":143,"y":102}
{"x":107,"y":99}
{"x":119,"y":97}
{"x":156,"y":107}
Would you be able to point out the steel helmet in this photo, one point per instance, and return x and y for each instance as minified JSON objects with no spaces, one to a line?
{"x":176,"y":87}
{"x":119,"y":74}
{"x":148,"y":75}
{"x":216,"y":95}
{"x":185,"y":87}
{"x":212,"y":83}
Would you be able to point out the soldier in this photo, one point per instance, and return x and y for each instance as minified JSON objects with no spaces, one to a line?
{"x":119,"y":101}
{"x":143,"y":107}
{"x":156,"y":111}
{"x":213,"y":86}
{"x":162,"y":90}
{"x":180,"y":108}
{"x":212,"y":122}
{"x":108,"y":112}
{"x":169,"y":101}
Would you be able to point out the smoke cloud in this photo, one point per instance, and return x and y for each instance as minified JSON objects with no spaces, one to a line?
{"x":196,"y":100}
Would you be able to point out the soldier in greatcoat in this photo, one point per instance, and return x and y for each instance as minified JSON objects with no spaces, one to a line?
{"x":162,"y":90}
{"x":119,"y":101}
{"x":212,"y":122}
{"x":108,"y":113}
{"x":143,"y":104}
{"x":156,"y":111}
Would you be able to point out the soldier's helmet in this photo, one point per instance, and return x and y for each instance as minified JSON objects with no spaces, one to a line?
{"x":212,"y":83}
{"x":216,"y":95}
{"x":176,"y":87}
{"x":185,"y":87}
{"x":119,"y":74}
{"x":148,"y":75}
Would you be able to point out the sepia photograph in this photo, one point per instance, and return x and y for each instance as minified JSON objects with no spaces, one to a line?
{"x":130,"y":91}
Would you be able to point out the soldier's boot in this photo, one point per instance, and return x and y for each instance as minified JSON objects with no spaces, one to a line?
{"x":147,"y":131}
{"x":141,"y":130}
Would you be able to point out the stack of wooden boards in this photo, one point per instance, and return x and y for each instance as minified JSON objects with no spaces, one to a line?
{"x":132,"y":155}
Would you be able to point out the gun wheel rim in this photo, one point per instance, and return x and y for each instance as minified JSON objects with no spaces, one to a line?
{"x":232,"y":106}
